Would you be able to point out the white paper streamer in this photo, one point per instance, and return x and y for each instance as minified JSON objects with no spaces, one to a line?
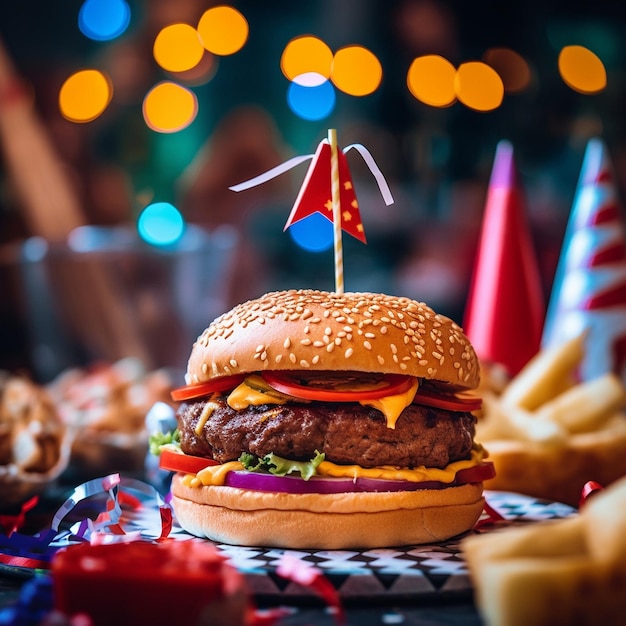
{"x":273,"y":173}
{"x":383,"y":187}
{"x":144,"y":518}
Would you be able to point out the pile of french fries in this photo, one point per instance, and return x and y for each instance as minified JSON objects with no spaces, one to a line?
{"x":545,"y":404}
{"x":568,"y":571}
{"x":548,"y":433}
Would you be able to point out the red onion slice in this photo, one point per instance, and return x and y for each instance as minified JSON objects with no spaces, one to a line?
{"x":258,"y":481}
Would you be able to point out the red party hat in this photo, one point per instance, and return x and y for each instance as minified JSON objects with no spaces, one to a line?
{"x":505,"y":308}
{"x":589,"y":289}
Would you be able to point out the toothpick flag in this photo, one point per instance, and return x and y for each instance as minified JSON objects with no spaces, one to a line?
{"x":316,"y":193}
{"x":589,"y":290}
{"x":505,"y":309}
{"x":328,"y":189}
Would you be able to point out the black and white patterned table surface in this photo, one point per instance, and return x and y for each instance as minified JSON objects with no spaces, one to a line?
{"x":436,"y":570}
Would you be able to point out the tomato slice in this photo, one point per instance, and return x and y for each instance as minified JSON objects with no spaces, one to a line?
{"x":181,"y":462}
{"x":476,"y":474}
{"x":190,"y":392}
{"x":389,"y":385}
{"x":449,"y":401}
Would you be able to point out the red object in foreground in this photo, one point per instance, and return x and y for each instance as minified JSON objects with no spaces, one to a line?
{"x":505,"y":308}
{"x":589,"y":489}
{"x":172,"y":582}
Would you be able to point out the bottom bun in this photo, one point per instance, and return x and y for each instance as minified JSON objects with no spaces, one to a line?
{"x":326,"y":521}
{"x":558,"y":472}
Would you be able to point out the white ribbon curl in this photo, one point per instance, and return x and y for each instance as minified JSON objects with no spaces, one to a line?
{"x":383,"y":187}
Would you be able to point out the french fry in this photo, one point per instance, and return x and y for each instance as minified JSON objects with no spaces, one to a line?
{"x":515,"y":570}
{"x":585,"y":407}
{"x":512,"y":422}
{"x":552,"y":539}
{"x":567,"y":571}
{"x":547,"y":592}
{"x":548,"y":435}
{"x":545,"y":375}
{"x":605,"y":525}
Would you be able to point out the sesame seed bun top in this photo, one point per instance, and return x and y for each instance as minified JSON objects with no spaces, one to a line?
{"x":318,"y":330}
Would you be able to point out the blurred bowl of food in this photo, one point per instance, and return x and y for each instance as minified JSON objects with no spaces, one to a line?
{"x":35,"y":443}
{"x":104,"y":408}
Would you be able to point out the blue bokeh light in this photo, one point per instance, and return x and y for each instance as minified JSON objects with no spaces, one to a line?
{"x":160,"y":224}
{"x":311,"y":102}
{"x":314,"y":233}
{"x":103,"y":20}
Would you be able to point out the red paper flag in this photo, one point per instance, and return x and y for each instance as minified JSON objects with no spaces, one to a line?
{"x":315,"y":194}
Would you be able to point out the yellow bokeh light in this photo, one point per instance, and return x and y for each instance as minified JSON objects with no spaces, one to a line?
{"x":356,"y":71}
{"x":85,"y":95}
{"x":478,"y":86}
{"x":177,"y":48}
{"x":582,"y":70}
{"x":431,"y":80}
{"x":512,"y":68}
{"x":168,"y":107}
{"x":223,"y":30}
{"x":305,"y":55}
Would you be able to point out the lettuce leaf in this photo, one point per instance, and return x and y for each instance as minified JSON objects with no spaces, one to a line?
{"x":158,"y":440}
{"x":279,"y":466}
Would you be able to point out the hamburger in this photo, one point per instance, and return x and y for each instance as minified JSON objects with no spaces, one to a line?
{"x":324,"y":420}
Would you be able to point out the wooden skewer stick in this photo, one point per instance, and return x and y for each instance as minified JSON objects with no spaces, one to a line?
{"x":336,"y":201}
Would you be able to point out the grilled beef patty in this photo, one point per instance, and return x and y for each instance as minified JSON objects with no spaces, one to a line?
{"x":347,"y":433}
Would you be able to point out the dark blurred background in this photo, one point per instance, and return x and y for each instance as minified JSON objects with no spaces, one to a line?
{"x":437,"y":161}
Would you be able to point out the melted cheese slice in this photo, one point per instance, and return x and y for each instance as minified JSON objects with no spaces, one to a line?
{"x":215,"y":475}
{"x":389,"y":472}
{"x":207,"y":411}
{"x":212,"y":474}
{"x":392,"y":406}
{"x":254,"y":391}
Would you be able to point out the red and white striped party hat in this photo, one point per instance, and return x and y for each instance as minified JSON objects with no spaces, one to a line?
{"x":589,"y":290}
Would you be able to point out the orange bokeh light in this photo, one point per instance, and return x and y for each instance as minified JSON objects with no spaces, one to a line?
{"x":168,"y":107}
{"x":306,"y":55}
{"x":478,"y":86}
{"x":223,"y":30}
{"x":85,"y":95}
{"x":430,"y":79}
{"x":177,"y":48}
{"x":582,"y":70}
